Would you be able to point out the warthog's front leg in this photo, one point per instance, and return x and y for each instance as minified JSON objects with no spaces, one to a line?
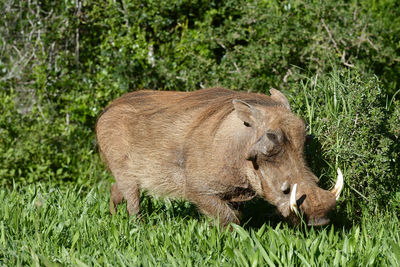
{"x":131,"y":194}
{"x":216,"y":208}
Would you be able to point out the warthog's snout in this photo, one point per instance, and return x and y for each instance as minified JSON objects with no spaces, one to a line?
{"x":315,"y":212}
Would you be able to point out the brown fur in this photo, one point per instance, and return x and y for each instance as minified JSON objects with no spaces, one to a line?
{"x":211,"y":147}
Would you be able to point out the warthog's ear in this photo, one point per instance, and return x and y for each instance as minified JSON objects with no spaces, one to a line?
{"x":246,"y":112}
{"x":279,"y":97}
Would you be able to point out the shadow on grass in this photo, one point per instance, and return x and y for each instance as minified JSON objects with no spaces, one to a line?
{"x":316,"y":161}
{"x":164,"y":208}
{"x":172,"y":209}
{"x":254,"y":213}
{"x":258,"y":212}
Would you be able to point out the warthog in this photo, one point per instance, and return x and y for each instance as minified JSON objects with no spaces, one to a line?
{"x":212,"y":147}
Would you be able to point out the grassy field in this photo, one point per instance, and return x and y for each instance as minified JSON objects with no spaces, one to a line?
{"x":46,"y":226}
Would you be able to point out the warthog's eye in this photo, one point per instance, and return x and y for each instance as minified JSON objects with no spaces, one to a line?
{"x":273,"y":137}
{"x":266,"y":147}
{"x":273,"y":144}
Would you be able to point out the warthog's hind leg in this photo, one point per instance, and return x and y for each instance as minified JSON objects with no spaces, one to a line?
{"x":115,"y":199}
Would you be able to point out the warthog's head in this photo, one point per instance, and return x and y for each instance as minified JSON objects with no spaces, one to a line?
{"x":275,"y":156}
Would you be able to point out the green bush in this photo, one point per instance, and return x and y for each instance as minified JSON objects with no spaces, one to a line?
{"x":250,"y":45}
{"x":44,"y":148}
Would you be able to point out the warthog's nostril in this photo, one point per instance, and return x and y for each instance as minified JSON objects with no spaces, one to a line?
{"x":285,"y":188}
{"x":301,"y":200}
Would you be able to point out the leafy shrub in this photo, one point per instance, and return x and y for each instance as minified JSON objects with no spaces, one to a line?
{"x":249,"y":45}
{"x":43,"y":148}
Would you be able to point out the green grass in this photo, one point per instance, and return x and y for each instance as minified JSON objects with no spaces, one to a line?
{"x":45,"y":226}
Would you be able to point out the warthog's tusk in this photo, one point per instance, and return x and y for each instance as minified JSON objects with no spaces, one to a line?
{"x":292,"y":201}
{"x":339,"y":185}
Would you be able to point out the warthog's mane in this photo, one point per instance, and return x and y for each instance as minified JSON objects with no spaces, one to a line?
{"x":216,"y":104}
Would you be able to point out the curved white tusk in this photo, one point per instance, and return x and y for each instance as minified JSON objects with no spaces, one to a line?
{"x":339,"y":185}
{"x":292,"y":201}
